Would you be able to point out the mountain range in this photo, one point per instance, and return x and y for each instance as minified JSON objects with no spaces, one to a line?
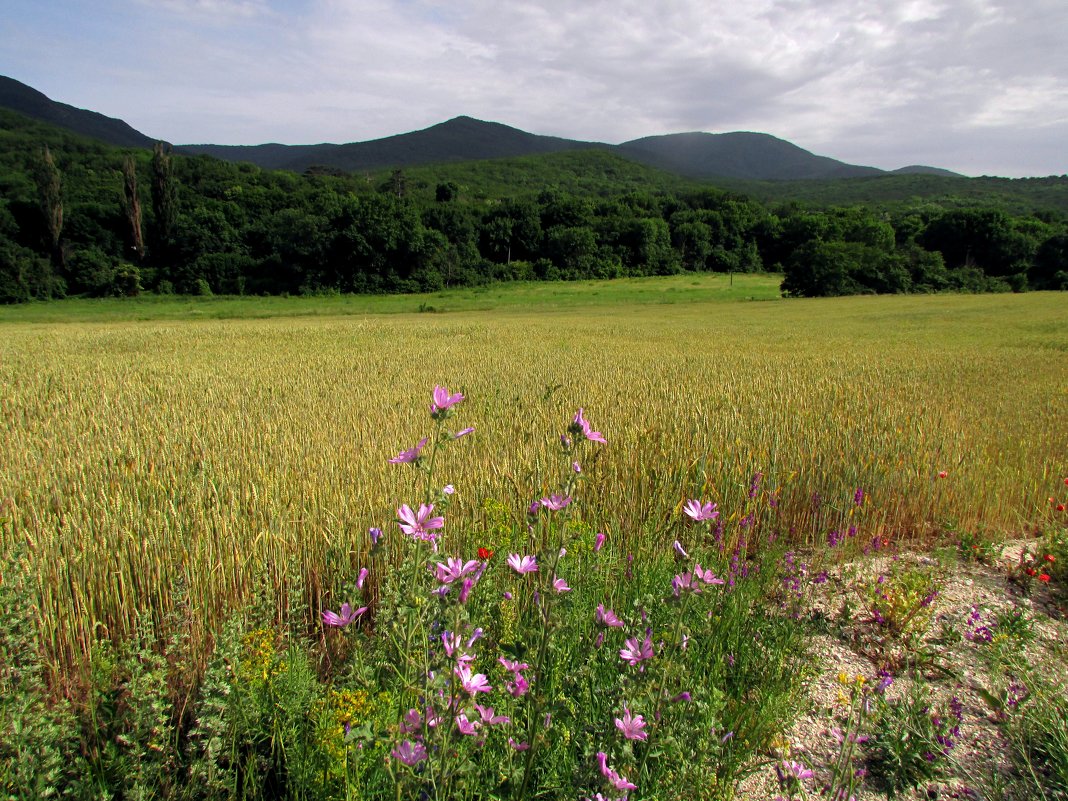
{"x":739,"y":155}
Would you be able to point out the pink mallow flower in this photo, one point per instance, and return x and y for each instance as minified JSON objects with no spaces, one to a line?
{"x":560,"y":585}
{"x":699,"y":511}
{"x":409,"y":456}
{"x":606,"y":617}
{"x":598,"y":541}
{"x":410,"y":753}
{"x":454,"y":569}
{"x":344,"y":617}
{"x":490,"y":719}
{"x":707,"y":576}
{"x":472,"y":683}
{"x":522,"y":564}
{"x":466,"y":726}
{"x":443,"y":401}
{"x":617,"y":781}
{"x":633,"y":654}
{"x":632,"y":726}
{"x":580,"y":425}
{"x":554,"y":503}
{"x":419,"y":525}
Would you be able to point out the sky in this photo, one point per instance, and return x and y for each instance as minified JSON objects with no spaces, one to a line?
{"x":976,"y":86}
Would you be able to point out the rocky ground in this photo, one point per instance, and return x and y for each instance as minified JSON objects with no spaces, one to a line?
{"x":947,"y":658}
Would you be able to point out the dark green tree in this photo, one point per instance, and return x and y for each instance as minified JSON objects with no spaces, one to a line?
{"x":164,"y":202}
{"x":50,"y":198}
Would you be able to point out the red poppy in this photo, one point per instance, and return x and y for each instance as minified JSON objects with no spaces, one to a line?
{"x":1050,"y":558}
{"x":1030,"y":571}
{"x":942,"y":473}
{"x":1060,"y":507}
{"x":1044,"y":577}
{"x":485,"y":553}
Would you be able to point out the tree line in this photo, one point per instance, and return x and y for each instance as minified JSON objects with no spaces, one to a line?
{"x":78,"y":218}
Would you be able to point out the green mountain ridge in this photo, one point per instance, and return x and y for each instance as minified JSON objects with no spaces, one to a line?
{"x":696,"y":155}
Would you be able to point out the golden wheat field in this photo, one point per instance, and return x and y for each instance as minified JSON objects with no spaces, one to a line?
{"x":144,"y":462}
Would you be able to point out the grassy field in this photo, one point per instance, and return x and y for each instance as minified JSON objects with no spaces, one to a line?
{"x":148,"y":445}
{"x":140,"y":453}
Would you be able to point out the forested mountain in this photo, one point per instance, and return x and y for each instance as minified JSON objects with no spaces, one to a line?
{"x":752,"y":156}
{"x":26,"y":100}
{"x":459,"y":139}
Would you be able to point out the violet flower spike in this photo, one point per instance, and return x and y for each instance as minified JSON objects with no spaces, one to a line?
{"x":344,"y":617}
{"x":700,"y":512}
{"x":580,"y":424}
{"x":522,"y":564}
{"x":409,"y":456}
{"x":375,"y":533}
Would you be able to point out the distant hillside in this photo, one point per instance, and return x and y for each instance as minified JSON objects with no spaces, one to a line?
{"x":26,"y":100}
{"x":700,"y":156}
{"x":919,"y":169}
{"x":458,"y":139}
{"x":754,"y":156}
{"x":890,"y":190}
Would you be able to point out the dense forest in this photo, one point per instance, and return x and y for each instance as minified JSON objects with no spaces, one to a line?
{"x":78,"y":217}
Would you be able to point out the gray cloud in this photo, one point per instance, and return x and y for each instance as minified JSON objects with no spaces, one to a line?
{"x":979,"y":86}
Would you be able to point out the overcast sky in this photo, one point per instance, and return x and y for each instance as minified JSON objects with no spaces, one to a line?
{"x":976,"y":86}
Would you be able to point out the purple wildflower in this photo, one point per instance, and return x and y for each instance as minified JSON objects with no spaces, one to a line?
{"x":556,"y":502}
{"x":443,"y":401}
{"x":409,"y":456}
{"x":420,"y":525}
{"x":466,"y":726}
{"x":344,"y":617}
{"x":617,"y":781}
{"x":463,"y":432}
{"x":580,"y":425}
{"x":472,"y":683}
{"x":632,"y":726}
{"x":454,"y":569}
{"x":699,"y":511}
{"x":489,"y":718}
{"x":607,"y":618}
{"x":410,"y":753}
{"x":376,"y":534}
{"x":680,"y":551}
{"x":522,"y":564}
{"x":633,"y":654}
{"x":598,"y":541}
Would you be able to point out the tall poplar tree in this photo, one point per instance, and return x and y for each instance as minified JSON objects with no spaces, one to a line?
{"x":131,"y":205}
{"x":164,"y":199}
{"x":50,"y":195}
